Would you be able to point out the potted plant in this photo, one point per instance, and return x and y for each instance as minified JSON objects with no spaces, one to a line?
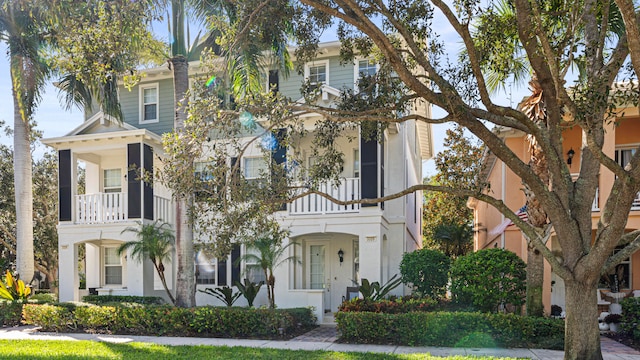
{"x":613,"y":320}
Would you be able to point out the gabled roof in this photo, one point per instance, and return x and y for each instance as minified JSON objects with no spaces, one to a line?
{"x":100,"y":123}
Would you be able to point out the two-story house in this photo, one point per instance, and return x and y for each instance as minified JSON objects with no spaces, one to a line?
{"x":622,"y":139}
{"x":337,"y":244}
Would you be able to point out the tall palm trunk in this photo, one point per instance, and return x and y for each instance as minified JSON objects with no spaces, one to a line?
{"x":160,"y":269}
{"x":22,"y":74}
{"x":534,"y":108}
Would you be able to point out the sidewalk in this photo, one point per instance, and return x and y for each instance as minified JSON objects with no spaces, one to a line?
{"x":322,"y":338}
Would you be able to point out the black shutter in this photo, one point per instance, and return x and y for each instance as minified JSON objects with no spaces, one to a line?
{"x":222,"y":272}
{"x":147,"y":189}
{"x":235,"y":264}
{"x":279,"y":157}
{"x":64,"y":185}
{"x":369,"y":169}
{"x":274,"y":81}
{"x":133,"y":181}
{"x":382,"y":171}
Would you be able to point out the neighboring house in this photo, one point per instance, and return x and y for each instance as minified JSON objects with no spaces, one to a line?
{"x":371,"y":239}
{"x":493,"y":231}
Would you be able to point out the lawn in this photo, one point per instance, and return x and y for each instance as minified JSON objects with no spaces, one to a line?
{"x":40,"y":349}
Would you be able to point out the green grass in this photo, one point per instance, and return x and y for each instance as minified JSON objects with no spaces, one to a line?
{"x":58,"y":349}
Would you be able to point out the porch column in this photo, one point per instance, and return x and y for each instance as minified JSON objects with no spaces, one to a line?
{"x":68,"y":270}
{"x":371,"y":257}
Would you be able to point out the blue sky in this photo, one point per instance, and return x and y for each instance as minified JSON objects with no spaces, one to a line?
{"x":54,"y":121}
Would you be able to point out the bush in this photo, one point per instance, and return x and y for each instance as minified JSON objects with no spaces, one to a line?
{"x":427,"y":271}
{"x":451,"y":329}
{"x":10,"y":313}
{"x":137,"y":319}
{"x":630,"y":322}
{"x":488,"y":278}
{"x":392,"y":306}
{"x":43,"y":298}
{"x":109,"y":299}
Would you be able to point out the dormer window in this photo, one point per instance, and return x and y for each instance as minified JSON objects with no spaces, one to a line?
{"x":148,"y":103}
{"x":317,"y":73}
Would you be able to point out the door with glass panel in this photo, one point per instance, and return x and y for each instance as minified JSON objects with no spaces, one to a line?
{"x":318,"y":272}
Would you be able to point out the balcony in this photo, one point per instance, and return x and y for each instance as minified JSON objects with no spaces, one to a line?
{"x":347,"y":189}
{"x":103,"y":208}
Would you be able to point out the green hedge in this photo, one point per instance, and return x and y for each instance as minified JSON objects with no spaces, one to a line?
{"x":451,"y":329}
{"x":631,"y":316}
{"x":10,"y":313}
{"x":112,"y":299}
{"x":168,"y":320}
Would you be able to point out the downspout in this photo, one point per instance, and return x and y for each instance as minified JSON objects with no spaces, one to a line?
{"x":504,"y":195}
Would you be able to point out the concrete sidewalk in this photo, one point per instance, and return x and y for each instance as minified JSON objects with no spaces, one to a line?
{"x":611,"y":349}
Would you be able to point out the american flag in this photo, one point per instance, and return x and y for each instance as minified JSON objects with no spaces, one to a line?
{"x":522,"y":214}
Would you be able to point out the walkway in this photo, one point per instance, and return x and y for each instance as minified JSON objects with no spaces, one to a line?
{"x":321,"y":338}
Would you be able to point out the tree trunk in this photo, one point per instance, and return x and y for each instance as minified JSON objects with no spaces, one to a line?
{"x":535,"y":280}
{"x":582,"y":335}
{"x":23,"y":179}
{"x":164,"y":283}
{"x":186,"y":280}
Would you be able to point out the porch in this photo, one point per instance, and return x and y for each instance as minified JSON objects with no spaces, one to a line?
{"x":345,"y":190}
{"x":101,"y":208}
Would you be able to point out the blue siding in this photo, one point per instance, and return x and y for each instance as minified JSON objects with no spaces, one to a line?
{"x":130,"y":102}
{"x":340,"y":77}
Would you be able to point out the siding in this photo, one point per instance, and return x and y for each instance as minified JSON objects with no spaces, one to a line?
{"x":130,"y":102}
{"x":340,"y":77}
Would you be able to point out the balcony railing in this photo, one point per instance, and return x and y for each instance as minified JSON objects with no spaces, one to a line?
{"x":348,"y":189}
{"x":636,"y":202}
{"x":104,"y":208}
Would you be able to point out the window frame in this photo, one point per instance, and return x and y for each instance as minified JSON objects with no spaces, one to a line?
{"x":627,"y":147}
{"x":356,"y":70}
{"x":317,"y":63}
{"x":142,"y":104}
{"x":108,"y":189}
{"x":105,"y":265}
{"x":253,"y":158}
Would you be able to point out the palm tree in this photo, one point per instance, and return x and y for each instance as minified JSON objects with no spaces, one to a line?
{"x":22,"y":29}
{"x":155,"y":242}
{"x":270,"y":255}
{"x":453,"y":239}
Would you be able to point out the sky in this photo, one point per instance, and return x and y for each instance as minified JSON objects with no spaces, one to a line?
{"x":54,"y":121}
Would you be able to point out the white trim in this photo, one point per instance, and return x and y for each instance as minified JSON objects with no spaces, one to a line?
{"x":141,"y":103}
{"x":317,"y":63}
{"x":356,"y":70}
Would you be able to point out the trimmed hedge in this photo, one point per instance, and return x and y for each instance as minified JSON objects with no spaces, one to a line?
{"x":10,"y":313}
{"x":394,"y":305}
{"x":631,"y":316}
{"x":168,"y":320}
{"x":111,"y":299}
{"x":450,"y":329}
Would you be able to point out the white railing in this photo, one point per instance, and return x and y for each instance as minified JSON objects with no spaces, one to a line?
{"x":112,"y":207}
{"x":348,"y":189}
{"x":101,"y":208}
{"x":636,"y":202}
{"x":163,"y":209}
{"x":595,"y":206}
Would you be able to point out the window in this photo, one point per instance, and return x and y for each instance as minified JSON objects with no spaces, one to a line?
{"x":112,"y":267}
{"x":253,"y":270}
{"x":619,"y":278}
{"x":149,"y":103}
{"x":254,"y":168}
{"x":112,"y":182}
{"x":205,"y":269}
{"x":356,"y":163}
{"x":364,"y":68}
{"x":317,"y":73}
{"x":273,"y":81}
{"x":623,"y":156}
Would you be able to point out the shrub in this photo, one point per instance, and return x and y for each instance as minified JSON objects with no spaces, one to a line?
{"x":631,"y":317}
{"x":374,"y":291}
{"x":43,"y":298}
{"x":392,"y":306}
{"x":224,"y":294}
{"x":10,"y":313}
{"x":488,"y":278}
{"x":104,"y":299}
{"x":137,"y":319}
{"x":451,"y":329}
{"x":49,"y":317}
{"x":427,"y":271}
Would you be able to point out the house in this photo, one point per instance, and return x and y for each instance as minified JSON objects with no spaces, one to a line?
{"x":492,"y":230}
{"x":334,"y":240}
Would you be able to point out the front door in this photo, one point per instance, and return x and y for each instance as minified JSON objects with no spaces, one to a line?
{"x":319,"y":272}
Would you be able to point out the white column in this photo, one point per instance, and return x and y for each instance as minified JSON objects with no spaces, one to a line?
{"x":371,"y":257}
{"x":68,"y":290}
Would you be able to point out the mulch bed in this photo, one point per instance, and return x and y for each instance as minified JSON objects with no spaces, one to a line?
{"x":624,"y":339}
